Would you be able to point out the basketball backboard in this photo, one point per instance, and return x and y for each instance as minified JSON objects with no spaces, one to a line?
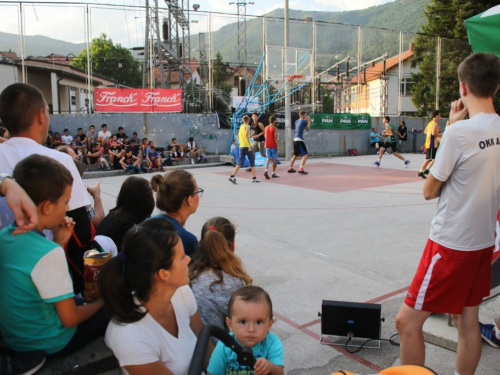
{"x":283,"y":62}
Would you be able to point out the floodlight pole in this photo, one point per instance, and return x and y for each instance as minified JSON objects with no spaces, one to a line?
{"x":288,"y":110}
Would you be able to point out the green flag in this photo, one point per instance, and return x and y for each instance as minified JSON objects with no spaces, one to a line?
{"x":483,"y":31}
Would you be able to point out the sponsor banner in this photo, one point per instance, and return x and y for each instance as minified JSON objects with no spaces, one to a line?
{"x":340,"y":121}
{"x":137,"y":100}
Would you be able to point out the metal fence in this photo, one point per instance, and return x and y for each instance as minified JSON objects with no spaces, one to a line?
{"x":354,"y":65}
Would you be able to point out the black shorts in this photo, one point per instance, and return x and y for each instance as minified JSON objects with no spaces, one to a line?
{"x":430,"y":153}
{"x":299,"y":148}
{"x":93,"y":160}
{"x":392,"y":146}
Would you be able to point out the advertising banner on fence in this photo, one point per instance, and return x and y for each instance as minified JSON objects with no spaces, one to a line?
{"x":340,"y":121}
{"x":138,"y":100}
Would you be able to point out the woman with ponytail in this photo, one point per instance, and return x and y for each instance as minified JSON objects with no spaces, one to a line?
{"x":178,"y":197}
{"x":216,"y":272}
{"x":155,"y":322}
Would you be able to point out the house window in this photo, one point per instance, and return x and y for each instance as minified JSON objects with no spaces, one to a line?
{"x":406,"y":87}
{"x":236,"y":81}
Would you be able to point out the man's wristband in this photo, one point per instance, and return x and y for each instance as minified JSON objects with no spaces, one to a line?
{"x":3,"y":176}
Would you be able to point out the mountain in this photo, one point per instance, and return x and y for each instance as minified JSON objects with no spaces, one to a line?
{"x":38,"y":45}
{"x":334,"y":41}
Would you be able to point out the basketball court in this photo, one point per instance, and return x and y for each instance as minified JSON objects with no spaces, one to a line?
{"x":347,"y":231}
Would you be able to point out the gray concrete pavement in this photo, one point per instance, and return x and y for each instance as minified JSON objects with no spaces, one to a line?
{"x":304,"y":244}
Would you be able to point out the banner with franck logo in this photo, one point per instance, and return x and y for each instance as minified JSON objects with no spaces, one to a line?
{"x":137,"y":100}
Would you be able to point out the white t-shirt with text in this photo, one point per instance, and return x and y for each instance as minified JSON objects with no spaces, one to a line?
{"x":468,"y":161}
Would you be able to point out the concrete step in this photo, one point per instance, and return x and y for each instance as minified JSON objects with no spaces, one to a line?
{"x":213,"y":161}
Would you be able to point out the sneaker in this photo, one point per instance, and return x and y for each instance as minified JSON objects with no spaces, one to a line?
{"x":109,"y":168}
{"x":255,"y":180}
{"x":376,"y":163}
{"x":25,"y":363}
{"x":140,"y":171}
{"x":291,"y":170}
{"x":233,"y":180}
{"x":128,"y":173}
{"x":488,"y":334}
{"x":426,"y":172}
{"x":192,"y":161}
{"x":421,"y":175}
{"x":266,"y":175}
{"x":150,"y":170}
{"x":162,"y":170}
{"x":205,"y":161}
{"x":182,"y":157}
{"x":301,"y":171}
{"x":176,"y":157}
{"x":274,"y":175}
{"x":407,"y":163}
{"x":89,"y":170}
{"x":249,"y":169}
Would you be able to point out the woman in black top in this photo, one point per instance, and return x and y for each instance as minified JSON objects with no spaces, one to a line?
{"x":134,"y":204}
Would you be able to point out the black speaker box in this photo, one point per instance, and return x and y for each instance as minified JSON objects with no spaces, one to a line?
{"x":354,"y":319}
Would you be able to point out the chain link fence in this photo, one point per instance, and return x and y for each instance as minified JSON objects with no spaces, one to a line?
{"x":213,"y":56}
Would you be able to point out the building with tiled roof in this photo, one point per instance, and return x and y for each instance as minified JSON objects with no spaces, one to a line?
{"x":366,"y":87}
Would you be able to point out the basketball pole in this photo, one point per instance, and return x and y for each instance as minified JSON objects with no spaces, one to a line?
{"x":288,"y":110}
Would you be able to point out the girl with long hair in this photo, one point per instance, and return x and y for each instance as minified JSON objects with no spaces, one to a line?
{"x":216,"y":271}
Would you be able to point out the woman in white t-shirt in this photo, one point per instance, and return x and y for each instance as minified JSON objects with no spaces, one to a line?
{"x":155,"y":321}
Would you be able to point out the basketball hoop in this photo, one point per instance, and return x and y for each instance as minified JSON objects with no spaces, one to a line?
{"x":295,"y":76}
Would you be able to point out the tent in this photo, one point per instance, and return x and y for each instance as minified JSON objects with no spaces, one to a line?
{"x":483,"y":31}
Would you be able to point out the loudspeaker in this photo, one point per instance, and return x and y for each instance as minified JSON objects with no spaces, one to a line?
{"x":351,"y":319}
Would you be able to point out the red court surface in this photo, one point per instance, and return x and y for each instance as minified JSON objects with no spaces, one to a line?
{"x":333,"y":178}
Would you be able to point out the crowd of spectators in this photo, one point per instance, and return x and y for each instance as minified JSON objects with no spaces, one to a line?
{"x":107,"y":151}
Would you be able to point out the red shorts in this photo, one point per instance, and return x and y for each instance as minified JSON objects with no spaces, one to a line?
{"x":448,"y":280}
{"x":154,"y":164}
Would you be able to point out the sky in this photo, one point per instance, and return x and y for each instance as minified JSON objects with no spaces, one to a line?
{"x":67,"y":22}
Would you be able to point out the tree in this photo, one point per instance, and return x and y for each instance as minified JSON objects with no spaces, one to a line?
{"x":444,"y":19}
{"x":112,"y":61}
{"x":219,"y":72}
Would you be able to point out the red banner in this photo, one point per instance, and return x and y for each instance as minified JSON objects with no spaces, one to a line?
{"x":138,"y":100}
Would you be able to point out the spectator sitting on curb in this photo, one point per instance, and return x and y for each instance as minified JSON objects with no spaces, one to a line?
{"x":193,"y":150}
{"x":136,"y":151}
{"x":121,"y":134}
{"x":116,"y":152}
{"x":128,"y":162}
{"x":104,"y":134}
{"x":91,"y":137}
{"x":93,"y":157}
{"x":57,"y":141}
{"x":154,"y":160}
{"x":83,"y":137}
{"x":176,"y":149}
{"x":67,"y":138}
